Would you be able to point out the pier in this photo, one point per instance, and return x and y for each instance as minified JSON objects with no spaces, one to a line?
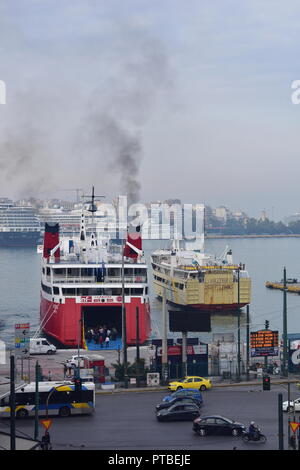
{"x":290,"y":287}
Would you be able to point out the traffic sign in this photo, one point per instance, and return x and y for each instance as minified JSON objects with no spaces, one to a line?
{"x":46,"y":423}
{"x":22,"y":339}
{"x":294,"y":426}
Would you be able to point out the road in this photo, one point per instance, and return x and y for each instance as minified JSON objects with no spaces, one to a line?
{"x":127,"y":421}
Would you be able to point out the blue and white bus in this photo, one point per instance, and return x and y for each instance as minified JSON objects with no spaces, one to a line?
{"x":55,"y":398}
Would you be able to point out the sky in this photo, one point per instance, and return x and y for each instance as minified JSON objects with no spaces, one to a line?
{"x":161,"y":99}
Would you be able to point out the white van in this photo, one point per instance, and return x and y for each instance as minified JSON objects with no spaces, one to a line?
{"x":41,"y":346}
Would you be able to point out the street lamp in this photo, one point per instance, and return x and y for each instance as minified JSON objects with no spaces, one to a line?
{"x":124,"y":335}
{"x":239,"y":332}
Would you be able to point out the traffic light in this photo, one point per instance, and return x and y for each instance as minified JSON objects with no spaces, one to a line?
{"x":267,"y":324}
{"x":78,"y":383}
{"x":266,"y":382}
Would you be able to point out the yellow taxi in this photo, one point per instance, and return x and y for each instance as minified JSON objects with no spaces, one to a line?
{"x":194,"y":382}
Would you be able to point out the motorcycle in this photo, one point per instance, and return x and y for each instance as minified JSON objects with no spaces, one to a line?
{"x":258,"y":436}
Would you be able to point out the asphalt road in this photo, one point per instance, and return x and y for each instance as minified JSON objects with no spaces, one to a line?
{"x":127,"y":420}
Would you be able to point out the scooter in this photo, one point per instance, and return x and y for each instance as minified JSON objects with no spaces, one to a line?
{"x":258,"y":436}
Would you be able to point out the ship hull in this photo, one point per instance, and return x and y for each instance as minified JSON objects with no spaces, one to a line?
{"x":66,"y":322}
{"x":19,"y":239}
{"x":217,"y":308}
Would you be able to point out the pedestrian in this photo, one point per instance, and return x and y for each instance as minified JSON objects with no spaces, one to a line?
{"x":96,"y":337}
{"x":49,"y":376}
{"x":46,"y":444}
{"x":101,"y":341}
{"x":113,"y":333}
{"x":69,"y":367}
{"x":107,"y":341}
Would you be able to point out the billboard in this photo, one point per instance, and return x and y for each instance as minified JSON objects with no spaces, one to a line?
{"x":189,"y":320}
{"x":264,"y":343}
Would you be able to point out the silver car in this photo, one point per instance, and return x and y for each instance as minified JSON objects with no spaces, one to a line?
{"x":292,"y":405}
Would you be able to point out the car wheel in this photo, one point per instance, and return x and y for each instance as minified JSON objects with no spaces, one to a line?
{"x":290,"y":409}
{"x":64,"y":412}
{"x":235,"y":432}
{"x":178,"y":388}
{"x":202,"y":388}
{"x":22,"y":413}
{"x":201,"y":432}
{"x":49,"y":352}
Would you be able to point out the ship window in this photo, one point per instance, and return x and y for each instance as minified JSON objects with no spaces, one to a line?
{"x":114,"y":272}
{"x":59,"y":271}
{"x":140,"y":271}
{"x":48,"y":271}
{"x":73,"y":272}
{"x":55,"y":290}
{"x":87,"y":271}
{"x":136,"y":291}
{"x":46,"y":289}
{"x":128,"y":271}
{"x":69,"y":291}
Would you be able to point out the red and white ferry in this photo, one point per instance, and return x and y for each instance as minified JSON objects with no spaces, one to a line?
{"x":81,"y":286}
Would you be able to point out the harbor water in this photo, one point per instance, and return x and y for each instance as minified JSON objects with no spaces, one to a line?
{"x":264,"y":258}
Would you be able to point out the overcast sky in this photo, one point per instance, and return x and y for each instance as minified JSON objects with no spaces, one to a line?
{"x":185,"y":99}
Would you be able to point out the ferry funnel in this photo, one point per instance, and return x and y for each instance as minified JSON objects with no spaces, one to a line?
{"x":51,"y":240}
{"x":133,"y":246}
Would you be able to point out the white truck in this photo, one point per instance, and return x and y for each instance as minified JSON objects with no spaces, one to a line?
{"x":41,"y":346}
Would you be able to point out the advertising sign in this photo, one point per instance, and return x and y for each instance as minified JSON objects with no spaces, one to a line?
{"x":264,"y":343}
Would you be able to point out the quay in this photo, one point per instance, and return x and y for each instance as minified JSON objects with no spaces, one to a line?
{"x":290,"y":287}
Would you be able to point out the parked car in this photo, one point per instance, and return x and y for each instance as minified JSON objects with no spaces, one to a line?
{"x":41,"y":346}
{"x":177,"y":400}
{"x":217,"y":425}
{"x":293,"y":405}
{"x":179,"y":412}
{"x":188,"y":392}
{"x":83,"y":360}
{"x":199,"y":383}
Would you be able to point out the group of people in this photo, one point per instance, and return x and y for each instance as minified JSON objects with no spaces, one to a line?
{"x":101,"y":335}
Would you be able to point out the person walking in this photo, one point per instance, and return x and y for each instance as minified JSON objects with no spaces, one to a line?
{"x":101,"y":341}
{"x":107,"y":341}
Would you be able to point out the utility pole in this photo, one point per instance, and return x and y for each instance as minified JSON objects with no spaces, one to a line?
{"x":12,"y":404}
{"x":284,"y":369}
{"x":36,"y":401}
{"x":248,"y":341}
{"x":164,"y":357}
{"x":137,"y":347}
{"x":280,"y":423}
{"x":184,"y":353}
{"x":124,"y":333}
{"x":239,"y":333}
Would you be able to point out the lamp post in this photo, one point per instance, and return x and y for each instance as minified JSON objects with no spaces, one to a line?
{"x":284,"y":369}
{"x":124,"y":333}
{"x":239,"y":333}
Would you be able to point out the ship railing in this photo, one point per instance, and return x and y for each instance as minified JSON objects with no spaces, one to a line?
{"x":94,"y":280}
